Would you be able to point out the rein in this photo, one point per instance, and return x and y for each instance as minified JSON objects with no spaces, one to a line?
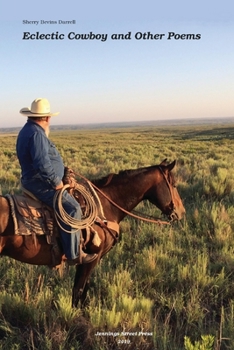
{"x":160,"y":222}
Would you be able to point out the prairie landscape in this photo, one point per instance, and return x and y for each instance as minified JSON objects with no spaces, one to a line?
{"x":160,"y":287}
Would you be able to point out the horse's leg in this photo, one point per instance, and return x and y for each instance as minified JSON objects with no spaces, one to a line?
{"x":83,"y":271}
{"x":79,"y":288}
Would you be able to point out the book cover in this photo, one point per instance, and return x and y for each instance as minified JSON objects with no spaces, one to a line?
{"x":134,"y":83}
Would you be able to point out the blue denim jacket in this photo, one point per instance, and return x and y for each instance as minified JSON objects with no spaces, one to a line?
{"x":38,"y":156}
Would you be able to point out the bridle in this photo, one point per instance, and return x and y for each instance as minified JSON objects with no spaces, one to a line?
{"x":173,"y":214}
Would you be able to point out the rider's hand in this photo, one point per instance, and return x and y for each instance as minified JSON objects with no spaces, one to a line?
{"x":59,"y":187}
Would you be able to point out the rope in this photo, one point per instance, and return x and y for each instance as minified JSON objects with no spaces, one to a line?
{"x":62,"y":216}
{"x":91,"y":187}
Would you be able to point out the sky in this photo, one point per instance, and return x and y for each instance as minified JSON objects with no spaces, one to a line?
{"x":136,"y":78}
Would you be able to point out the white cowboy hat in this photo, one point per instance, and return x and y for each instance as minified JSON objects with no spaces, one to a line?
{"x":40,"y":107}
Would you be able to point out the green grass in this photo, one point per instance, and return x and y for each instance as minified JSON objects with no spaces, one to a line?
{"x":160,"y":287}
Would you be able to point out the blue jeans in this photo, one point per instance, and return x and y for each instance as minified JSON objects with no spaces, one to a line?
{"x":45,"y":193}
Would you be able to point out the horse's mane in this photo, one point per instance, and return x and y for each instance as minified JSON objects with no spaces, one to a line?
{"x":114,"y":178}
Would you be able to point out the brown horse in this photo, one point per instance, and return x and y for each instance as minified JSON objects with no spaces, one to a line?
{"x":126,"y":189}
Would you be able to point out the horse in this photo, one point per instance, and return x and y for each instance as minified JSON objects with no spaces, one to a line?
{"x":119,"y":194}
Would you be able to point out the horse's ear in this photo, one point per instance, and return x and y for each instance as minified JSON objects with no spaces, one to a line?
{"x":163,"y":162}
{"x":171,"y":166}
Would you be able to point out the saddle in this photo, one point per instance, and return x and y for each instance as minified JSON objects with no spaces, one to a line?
{"x":31,"y":216}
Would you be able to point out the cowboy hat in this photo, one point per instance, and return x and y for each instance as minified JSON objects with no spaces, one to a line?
{"x":40,"y":107}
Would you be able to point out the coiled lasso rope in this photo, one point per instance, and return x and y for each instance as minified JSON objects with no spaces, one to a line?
{"x":62,"y":216}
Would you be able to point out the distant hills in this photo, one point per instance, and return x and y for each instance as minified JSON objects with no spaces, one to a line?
{"x":163,"y":122}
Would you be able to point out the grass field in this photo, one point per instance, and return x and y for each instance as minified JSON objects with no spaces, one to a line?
{"x":164,"y":288}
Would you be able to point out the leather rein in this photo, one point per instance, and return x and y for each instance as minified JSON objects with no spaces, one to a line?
{"x":156,"y":221}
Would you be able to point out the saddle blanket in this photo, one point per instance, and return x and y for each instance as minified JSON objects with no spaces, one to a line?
{"x":30,"y":216}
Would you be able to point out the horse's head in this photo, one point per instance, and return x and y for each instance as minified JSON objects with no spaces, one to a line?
{"x":164,"y":193}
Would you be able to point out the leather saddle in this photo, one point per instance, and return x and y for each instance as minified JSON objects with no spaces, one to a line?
{"x":31,"y":216}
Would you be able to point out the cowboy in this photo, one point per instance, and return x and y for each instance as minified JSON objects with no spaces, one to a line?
{"x":42,"y":173}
